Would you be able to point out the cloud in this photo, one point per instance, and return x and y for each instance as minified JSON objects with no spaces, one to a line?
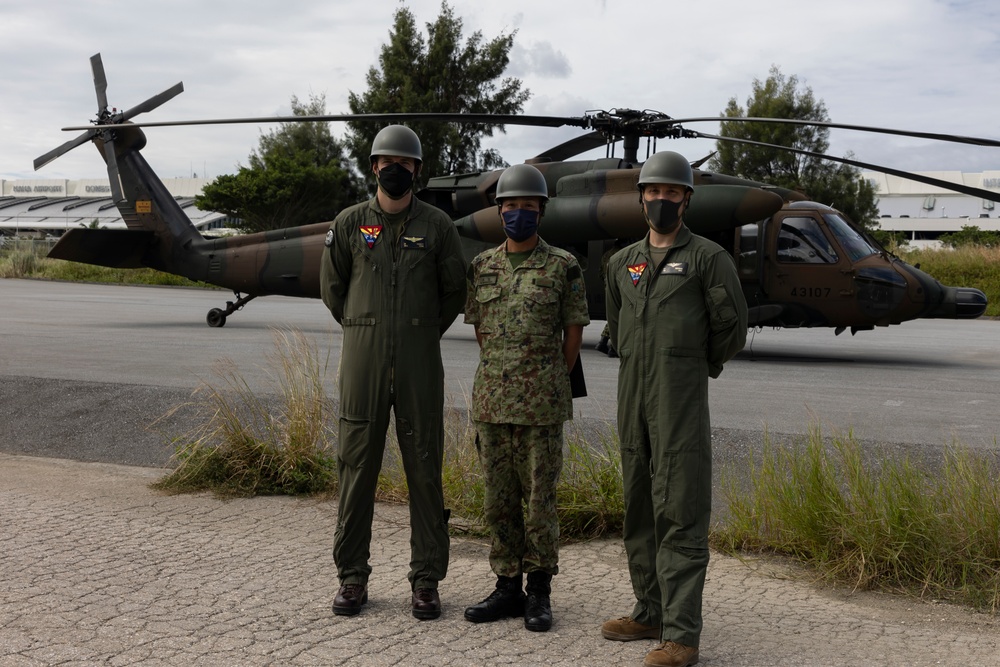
{"x":539,"y":59}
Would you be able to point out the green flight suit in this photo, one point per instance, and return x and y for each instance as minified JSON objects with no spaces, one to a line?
{"x":521,"y":397}
{"x":394,"y":298}
{"x":674,"y":326}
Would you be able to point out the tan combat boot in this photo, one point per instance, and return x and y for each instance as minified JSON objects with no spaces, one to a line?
{"x":671,"y":654}
{"x":625,"y":629}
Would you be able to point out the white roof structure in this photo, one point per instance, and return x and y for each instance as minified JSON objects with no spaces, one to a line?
{"x":53,"y":206}
{"x":927,"y":211}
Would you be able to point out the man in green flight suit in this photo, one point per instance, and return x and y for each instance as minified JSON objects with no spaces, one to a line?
{"x":676,"y":314}
{"x":393,"y":276}
{"x":528,"y":304}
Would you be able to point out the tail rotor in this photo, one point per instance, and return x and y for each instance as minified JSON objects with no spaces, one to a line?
{"x":105,"y":124}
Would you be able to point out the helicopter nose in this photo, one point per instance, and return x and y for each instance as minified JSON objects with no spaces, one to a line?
{"x":961,"y":303}
{"x":970,"y":303}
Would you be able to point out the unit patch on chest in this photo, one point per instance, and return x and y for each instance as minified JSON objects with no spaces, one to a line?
{"x":370,"y":232}
{"x":635,"y":272}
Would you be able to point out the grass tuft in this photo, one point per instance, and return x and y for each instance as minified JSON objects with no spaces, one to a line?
{"x":242,"y":447}
{"x":877,"y":525}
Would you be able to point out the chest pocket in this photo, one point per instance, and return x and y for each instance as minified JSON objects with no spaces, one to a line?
{"x":488,"y":298}
{"x":540,"y":308}
{"x":674,"y":286}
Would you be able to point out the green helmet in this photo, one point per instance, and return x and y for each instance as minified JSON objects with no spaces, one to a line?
{"x":667,"y":167}
{"x":522,"y":180}
{"x":397,"y":140}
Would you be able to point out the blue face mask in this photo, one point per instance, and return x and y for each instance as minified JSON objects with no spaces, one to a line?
{"x":520,"y":224}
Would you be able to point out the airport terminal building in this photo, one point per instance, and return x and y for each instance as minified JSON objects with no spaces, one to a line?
{"x":50,"y":207}
{"x":924,"y":212}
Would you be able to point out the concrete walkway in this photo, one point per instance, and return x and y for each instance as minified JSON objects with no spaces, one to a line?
{"x":97,"y":569}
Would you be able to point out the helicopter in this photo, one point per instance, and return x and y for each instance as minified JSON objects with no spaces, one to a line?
{"x":801,"y":263}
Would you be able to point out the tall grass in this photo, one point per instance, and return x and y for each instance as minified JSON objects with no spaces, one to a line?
{"x":590,"y":499}
{"x":888,"y":525}
{"x":243,"y":446}
{"x":20,"y":258}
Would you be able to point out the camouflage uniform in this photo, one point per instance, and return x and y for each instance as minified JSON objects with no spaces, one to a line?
{"x":521,"y":396}
{"x":674,"y":326}
{"x":394,"y":297}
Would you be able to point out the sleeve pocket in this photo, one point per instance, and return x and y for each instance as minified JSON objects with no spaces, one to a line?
{"x":720,"y":307}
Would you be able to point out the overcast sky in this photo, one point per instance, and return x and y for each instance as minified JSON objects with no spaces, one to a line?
{"x":929,"y":65}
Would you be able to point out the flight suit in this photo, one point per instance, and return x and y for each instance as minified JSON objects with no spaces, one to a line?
{"x":394,"y":298}
{"x":521,"y":396}
{"x":674,"y":326}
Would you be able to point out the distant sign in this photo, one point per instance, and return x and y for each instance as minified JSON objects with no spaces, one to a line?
{"x":38,"y":189}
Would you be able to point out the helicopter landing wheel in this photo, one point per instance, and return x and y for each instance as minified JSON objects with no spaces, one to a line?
{"x":216,"y":318}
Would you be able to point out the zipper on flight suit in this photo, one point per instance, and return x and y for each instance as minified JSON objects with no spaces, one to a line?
{"x":394,"y":251}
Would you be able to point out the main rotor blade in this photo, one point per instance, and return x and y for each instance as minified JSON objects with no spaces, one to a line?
{"x":100,"y":82}
{"x":573,"y":147}
{"x":43,"y":160}
{"x":154,"y":101}
{"x":472,"y":118}
{"x":947,"y":185}
{"x":975,"y":141}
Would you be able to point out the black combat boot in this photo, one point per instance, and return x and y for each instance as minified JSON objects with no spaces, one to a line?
{"x":602,"y":346}
{"x":537,"y":608}
{"x":507,"y":601}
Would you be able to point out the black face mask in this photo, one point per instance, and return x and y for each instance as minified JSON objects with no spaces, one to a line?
{"x":395,"y":180}
{"x":663,"y":215}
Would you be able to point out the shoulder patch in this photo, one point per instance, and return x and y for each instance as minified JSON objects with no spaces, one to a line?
{"x":329,"y":238}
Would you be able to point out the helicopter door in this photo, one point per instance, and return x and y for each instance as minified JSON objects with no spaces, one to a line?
{"x":808,"y":274}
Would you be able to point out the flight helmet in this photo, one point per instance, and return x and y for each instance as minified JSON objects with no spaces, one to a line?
{"x":522,"y":180}
{"x":667,"y":167}
{"x":396,"y":140}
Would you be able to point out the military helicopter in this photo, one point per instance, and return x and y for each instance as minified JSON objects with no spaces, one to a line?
{"x":802,"y":264}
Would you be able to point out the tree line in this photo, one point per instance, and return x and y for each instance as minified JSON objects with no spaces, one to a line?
{"x":301,"y":173}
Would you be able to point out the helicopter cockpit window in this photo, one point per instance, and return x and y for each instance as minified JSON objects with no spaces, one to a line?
{"x":801,"y":241}
{"x":850,"y":239}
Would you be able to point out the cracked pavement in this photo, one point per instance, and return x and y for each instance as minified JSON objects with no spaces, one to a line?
{"x":96,"y":568}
